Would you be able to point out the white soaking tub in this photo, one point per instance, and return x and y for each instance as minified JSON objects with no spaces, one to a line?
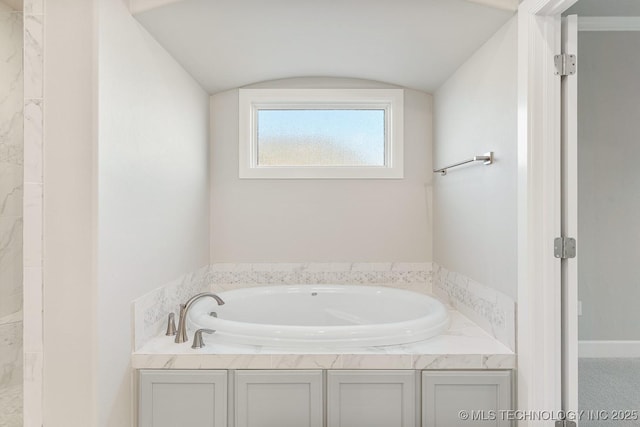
{"x":322,"y":315}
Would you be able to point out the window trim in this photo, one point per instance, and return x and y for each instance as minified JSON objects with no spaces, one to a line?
{"x":252,"y":100}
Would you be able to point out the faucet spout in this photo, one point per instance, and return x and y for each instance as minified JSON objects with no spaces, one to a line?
{"x":181,"y":335}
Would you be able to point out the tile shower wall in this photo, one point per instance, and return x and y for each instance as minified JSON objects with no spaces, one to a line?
{"x":493,"y":311}
{"x":33,"y":213}
{"x":152,"y":309}
{"x":11,"y":214}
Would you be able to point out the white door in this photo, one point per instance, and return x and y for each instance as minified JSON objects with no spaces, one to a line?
{"x":570,"y":220}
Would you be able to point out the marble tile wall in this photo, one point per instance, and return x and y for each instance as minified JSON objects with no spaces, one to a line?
{"x":33,"y":285}
{"x":150,"y":311}
{"x":11,"y":213}
{"x":11,"y":370}
{"x":410,"y":276}
{"x":11,"y":160}
{"x":491,"y":310}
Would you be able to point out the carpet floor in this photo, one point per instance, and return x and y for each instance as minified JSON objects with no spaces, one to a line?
{"x":611,"y":386}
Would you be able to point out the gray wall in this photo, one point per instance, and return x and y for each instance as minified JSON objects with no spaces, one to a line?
{"x":368,"y":220}
{"x":475,"y":207}
{"x":609,"y":185}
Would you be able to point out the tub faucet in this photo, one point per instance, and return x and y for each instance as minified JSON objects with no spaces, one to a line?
{"x":181,"y":335}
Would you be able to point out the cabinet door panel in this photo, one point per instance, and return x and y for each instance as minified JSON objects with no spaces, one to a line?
{"x":482,"y":395}
{"x":180,"y":398}
{"x":278,"y":398}
{"x":371,"y":399}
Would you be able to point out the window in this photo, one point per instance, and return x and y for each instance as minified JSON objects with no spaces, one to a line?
{"x":321,"y":133}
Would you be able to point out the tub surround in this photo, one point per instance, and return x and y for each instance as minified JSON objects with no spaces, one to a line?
{"x":491,"y":310}
{"x":150,"y":311}
{"x":463,"y":346}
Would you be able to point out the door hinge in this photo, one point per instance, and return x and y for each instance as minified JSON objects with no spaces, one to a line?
{"x":565,"y":423}
{"x":564,"y":247}
{"x":565,"y":64}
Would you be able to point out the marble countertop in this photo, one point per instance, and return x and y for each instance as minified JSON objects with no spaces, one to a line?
{"x":463,"y":346}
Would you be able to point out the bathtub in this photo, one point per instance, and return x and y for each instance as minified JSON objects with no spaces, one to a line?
{"x":322,"y":315}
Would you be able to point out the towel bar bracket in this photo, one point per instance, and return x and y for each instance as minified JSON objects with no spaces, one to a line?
{"x":486,"y":158}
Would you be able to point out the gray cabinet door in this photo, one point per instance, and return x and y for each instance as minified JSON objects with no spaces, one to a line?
{"x":466,"y":398}
{"x":179,"y":398}
{"x":371,"y":398}
{"x":278,"y":398}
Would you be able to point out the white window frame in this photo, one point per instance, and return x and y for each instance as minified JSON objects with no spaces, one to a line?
{"x":252,"y":100}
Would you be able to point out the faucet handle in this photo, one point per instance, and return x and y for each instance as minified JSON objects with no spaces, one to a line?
{"x":181,"y":333}
{"x":198,"y":342}
{"x":171,"y":325}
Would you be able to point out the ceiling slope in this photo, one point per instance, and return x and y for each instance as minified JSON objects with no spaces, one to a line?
{"x":226,"y":44}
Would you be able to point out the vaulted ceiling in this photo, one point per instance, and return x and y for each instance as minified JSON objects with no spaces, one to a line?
{"x":226,"y":44}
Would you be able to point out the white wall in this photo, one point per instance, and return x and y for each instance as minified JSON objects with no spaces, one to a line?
{"x":475,"y":208}
{"x":69,"y":238}
{"x":320,"y":220}
{"x":152,"y":210}
{"x":608,"y":185}
{"x":153,"y":188}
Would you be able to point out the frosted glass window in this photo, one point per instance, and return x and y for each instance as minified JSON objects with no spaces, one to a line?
{"x":321,"y":137}
{"x":320,"y":133}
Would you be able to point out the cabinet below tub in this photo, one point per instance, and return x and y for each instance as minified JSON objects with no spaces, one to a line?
{"x":466,"y":398}
{"x":319,"y":398}
{"x":173,"y":398}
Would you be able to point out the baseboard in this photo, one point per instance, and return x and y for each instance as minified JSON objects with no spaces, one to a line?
{"x":604,"y":349}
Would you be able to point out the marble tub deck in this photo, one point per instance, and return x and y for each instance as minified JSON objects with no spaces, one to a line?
{"x":463,"y":346}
